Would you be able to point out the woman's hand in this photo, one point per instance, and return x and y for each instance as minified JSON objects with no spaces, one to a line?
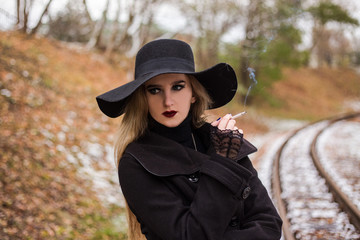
{"x":226,"y":122}
{"x":226,"y":137}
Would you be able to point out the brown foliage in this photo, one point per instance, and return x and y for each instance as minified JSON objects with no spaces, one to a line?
{"x":313,"y":94}
{"x":47,"y":104}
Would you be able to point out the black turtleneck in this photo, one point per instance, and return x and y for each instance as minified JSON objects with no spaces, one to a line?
{"x":180,"y":134}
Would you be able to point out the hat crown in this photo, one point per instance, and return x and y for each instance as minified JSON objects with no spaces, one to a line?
{"x":156,"y":54}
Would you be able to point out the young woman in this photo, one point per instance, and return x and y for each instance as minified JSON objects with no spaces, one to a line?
{"x":183,"y":178}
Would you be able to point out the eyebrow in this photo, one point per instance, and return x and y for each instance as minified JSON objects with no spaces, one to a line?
{"x":179,"y":81}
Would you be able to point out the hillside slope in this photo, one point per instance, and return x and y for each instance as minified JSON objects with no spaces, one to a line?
{"x":48,"y":119}
{"x":313,"y":94}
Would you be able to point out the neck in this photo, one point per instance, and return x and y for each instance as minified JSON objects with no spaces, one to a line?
{"x":181,"y":133}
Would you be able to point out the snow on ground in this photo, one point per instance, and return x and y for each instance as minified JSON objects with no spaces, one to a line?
{"x":96,"y":164}
{"x":354,"y":105}
{"x":269,"y":143}
{"x":311,"y":209}
{"x":338,"y":149}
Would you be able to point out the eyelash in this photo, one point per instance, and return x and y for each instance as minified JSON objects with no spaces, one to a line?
{"x":155,"y":90}
{"x":178,"y":87}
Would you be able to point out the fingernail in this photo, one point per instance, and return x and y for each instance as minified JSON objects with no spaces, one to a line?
{"x":218,"y":119}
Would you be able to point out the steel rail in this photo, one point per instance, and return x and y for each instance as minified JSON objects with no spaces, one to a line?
{"x":346,"y":204}
{"x":276,"y":187}
{"x":276,"y":180}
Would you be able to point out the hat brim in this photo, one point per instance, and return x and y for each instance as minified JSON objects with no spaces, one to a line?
{"x":219,"y":81}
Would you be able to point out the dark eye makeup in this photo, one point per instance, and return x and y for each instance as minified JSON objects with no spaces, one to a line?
{"x":153,"y":90}
{"x":177,"y":86}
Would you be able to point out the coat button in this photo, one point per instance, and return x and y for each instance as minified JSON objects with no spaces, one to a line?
{"x":246,"y":193}
{"x":234,"y":222}
{"x":193,"y":178}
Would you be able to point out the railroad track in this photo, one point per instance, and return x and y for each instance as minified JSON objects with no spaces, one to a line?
{"x":313,"y":195}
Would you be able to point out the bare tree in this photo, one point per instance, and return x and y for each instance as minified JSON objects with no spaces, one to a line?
{"x":90,"y":20}
{"x":143,"y":31}
{"x":124,"y":35}
{"x":211,"y":19}
{"x":114,"y":31}
{"x":323,"y":13}
{"x":24,"y":8}
{"x":99,"y":27}
{"x":71,"y":23}
{"x":138,"y":28}
{"x":34,"y":30}
{"x":18,"y":12}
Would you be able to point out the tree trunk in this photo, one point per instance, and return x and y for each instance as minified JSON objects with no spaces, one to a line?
{"x":207,"y":17}
{"x":25,"y":16}
{"x":88,"y":14}
{"x":34,"y":30}
{"x":98,"y":30}
{"x":18,"y":12}
{"x":115,"y":29}
{"x":124,"y":35}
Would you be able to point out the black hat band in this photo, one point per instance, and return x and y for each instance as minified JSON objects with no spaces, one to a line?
{"x":167,"y":64}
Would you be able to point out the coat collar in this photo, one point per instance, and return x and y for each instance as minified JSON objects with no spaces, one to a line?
{"x":164,"y":157}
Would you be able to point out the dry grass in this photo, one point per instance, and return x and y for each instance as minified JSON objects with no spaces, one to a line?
{"x":312,"y":94}
{"x":48,"y":89}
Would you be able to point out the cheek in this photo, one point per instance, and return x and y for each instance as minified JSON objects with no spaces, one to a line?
{"x":151,"y":102}
{"x":187,"y":99}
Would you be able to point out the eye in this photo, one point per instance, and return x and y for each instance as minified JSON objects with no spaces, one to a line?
{"x":153,"y":90}
{"x":178,"y":87}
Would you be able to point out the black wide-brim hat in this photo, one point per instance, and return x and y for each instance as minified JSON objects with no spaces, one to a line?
{"x":170,"y":56}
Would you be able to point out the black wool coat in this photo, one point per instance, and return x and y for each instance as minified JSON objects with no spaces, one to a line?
{"x":178,"y":193}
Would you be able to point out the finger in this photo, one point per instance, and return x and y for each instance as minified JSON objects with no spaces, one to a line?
{"x":239,"y":130}
{"x":224,"y":121}
{"x":216,"y":123}
{"x":231,"y":124}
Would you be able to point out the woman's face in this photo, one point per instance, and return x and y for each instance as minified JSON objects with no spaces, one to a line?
{"x":169,"y":98}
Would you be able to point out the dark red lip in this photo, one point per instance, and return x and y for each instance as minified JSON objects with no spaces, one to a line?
{"x":169,"y":114}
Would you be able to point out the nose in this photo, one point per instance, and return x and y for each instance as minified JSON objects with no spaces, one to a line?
{"x":168,"y":100}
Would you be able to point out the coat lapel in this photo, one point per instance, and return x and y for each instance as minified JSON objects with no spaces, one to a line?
{"x":164,"y":157}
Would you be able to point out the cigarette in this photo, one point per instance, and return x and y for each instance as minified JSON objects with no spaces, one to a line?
{"x":238,"y":115}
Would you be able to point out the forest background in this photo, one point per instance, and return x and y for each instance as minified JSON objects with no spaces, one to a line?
{"x":299,"y":59}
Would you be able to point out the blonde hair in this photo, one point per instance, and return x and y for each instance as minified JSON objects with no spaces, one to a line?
{"x":135,"y":122}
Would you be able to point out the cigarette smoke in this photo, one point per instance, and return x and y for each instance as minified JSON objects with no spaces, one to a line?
{"x":254,"y":82}
{"x":251,"y":71}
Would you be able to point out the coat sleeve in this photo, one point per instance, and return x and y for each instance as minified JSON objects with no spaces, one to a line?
{"x":220,"y":195}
